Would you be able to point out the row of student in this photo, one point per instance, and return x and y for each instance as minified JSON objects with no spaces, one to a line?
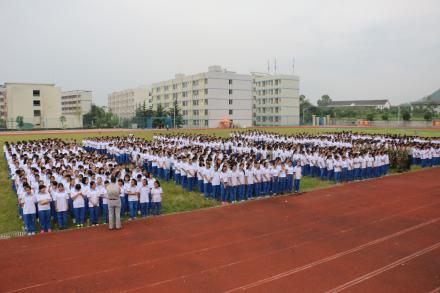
{"x":51,"y":174}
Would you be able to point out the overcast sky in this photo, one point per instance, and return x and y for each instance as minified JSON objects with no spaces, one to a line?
{"x":349,"y":49}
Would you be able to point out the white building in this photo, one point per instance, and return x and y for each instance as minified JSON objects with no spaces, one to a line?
{"x":74,"y":105}
{"x":208,"y":98}
{"x":38,"y":104}
{"x":275,"y":99}
{"x":124,"y":103}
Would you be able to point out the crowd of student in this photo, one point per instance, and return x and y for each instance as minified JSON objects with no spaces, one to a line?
{"x":53,"y":178}
{"x":56,"y":180}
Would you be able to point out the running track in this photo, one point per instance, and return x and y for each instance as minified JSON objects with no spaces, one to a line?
{"x":377,"y":236}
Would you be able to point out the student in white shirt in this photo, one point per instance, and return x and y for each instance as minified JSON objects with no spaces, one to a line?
{"x":216,"y":183}
{"x":60,"y":198}
{"x":289,"y":172}
{"x":297,"y":177}
{"x":93,"y":198}
{"x":28,"y":201}
{"x":144,"y":198}
{"x":156,"y":197}
{"x":103,"y":198}
{"x":78,"y":205}
{"x":44,"y":199}
{"x":133,"y":198}
{"x":249,"y":181}
{"x":241,"y":182}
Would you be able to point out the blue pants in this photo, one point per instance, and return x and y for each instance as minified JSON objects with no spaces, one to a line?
{"x":123,"y":206}
{"x":321,"y":173}
{"x":145,"y":209}
{"x":275,"y":185}
{"x":289,"y":184}
{"x":330,"y":174}
{"x":93,"y":211}
{"x":207,"y":189}
{"x":257,"y":187}
{"x":184,"y":181}
{"x":266,"y":188}
{"x":155,"y":171}
{"x":166,"y":174}
{"x":156,"y":206}
{"x":190,"y":184}
{"x":216,"y":192}
{"x":344,"y":174}
{"x":296,"y":185}
{"x":133,"y":207}
{"x":104,"y":207}
{"x":223,"y":193}
{"x":44,"y":218}
{"x":79,"y":215}
{"x":176,"y":178}
{"x":29,"y":222}
{"x":369,"y":172}
{"x":282,"y":184}
{"x":200,"y":185}
{"x":249,"y":191}
{"x":337,"y":177}
{"x":62,"y":220}
{"x":241,"y":191}
{"x":232,"y":191}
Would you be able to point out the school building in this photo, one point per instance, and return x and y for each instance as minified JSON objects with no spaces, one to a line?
{"x":207,"y":99}
{"x":74,"y":105}
{"x":275,"y":99}
{"x":30,"y":105}
{"x":124,"y":103}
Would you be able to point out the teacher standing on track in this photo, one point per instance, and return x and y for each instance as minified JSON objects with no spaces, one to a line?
{"x":114,"y":205}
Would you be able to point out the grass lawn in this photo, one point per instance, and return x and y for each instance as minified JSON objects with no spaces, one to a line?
{"x":175,"y":199}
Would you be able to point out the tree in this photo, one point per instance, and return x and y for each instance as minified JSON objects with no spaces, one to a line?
{"x":428,"y":116}
{"x":176,"y":115}
{"x":62,"y":120}
{"x":370,"y":116}
{"x":385,"y":116}
{"x":324,"y":101}
{"x":406,"y":115}
{"x":99,"y":118}
{"x":159,"y":117}
{"x":20,"y":121}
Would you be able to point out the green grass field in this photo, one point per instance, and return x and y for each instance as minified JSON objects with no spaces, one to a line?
{"x":175,"y":199}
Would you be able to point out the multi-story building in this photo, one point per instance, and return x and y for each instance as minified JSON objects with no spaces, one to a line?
{"x":74,"y":105}
{"x":124,"y":103}
{"x":207,"y":99}
{"x":36,"y":104}
{"x":275,"y":99}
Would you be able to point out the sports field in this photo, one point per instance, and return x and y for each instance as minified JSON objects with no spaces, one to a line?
{"x":379,"y":235}
{"x":180,"y":199}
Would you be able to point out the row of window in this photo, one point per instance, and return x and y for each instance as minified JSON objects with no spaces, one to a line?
{"x":185,"y":94}
{"x":267,"y":82}
{"x":183,"y":84}
{"x":269,"y":101}
{"x":268,"y":92}
{"x":269,"y":110}
{"x":268,"y":119}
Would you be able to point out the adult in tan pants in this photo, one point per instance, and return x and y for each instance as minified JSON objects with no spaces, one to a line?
{"x":114,"y":205}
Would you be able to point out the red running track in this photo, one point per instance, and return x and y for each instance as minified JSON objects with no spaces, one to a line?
{"x":381,"y":235}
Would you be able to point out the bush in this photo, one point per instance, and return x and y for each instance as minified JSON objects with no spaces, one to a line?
{"x":370,"y":116}
{"x":406,"y":115}
{"x":385,"y":116}
{"x":400,"y":160}
{"x":428,"y":116}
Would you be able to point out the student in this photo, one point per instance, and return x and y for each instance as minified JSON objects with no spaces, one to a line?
{"x":207,"y":180}
{"x":93,"y":198}
{"x":224,"y":184}
{"x":133,"y":198}
{"x":297,"y":177}
{"x":338,"y":169}
{"x":275,"y":172}
{"x":289,"y":171}
{"x":144,"y":198}
{"x":258,"y":176}
{"x":233,"y":183}
{"x":216,"y":183}
{"x":78,"y":205}
{"x":104,"y":199}
{"x":249,"y":181}
{"x":201,"y":169}
{"x":61,"y":206}
{"x":44,"y":199}
{"x":156,"y":196}
{"x":283,"y":176}
{"x":241,"y":182}
{"x":28,"y":201}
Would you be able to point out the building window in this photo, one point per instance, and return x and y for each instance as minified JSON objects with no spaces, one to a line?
{"x":185,"y":103}
{"x":195,"y":103}
{"x":206,"y":122}
{"x":206,"y":112}
{"x":184,"y":112}
{"x":174,"y":86}
{"x":230,"y":101}
{"x":206,"y":91}
{"x":36,"y":93}
{"x":37,"y":103}
{"x":231,"y":112}
{"x":196,"y":122}
{"x":206,"y":101}
{"x":195,"y":92}
{"x":37,"y":113}
{"x":206,"y":81}
{"x":195,"y":83}
{"x":184,"y":94}
{"x":185,"y":122}
{"x":196,"y":112}
{"x":230,"y":92}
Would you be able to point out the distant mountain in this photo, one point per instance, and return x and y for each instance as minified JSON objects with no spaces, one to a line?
{"x":435,"y":96}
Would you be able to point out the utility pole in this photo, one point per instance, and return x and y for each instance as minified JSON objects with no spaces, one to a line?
{"x":398,"y":116}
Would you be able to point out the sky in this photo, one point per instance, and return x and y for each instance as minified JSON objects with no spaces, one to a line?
{"x":348,"y":49}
